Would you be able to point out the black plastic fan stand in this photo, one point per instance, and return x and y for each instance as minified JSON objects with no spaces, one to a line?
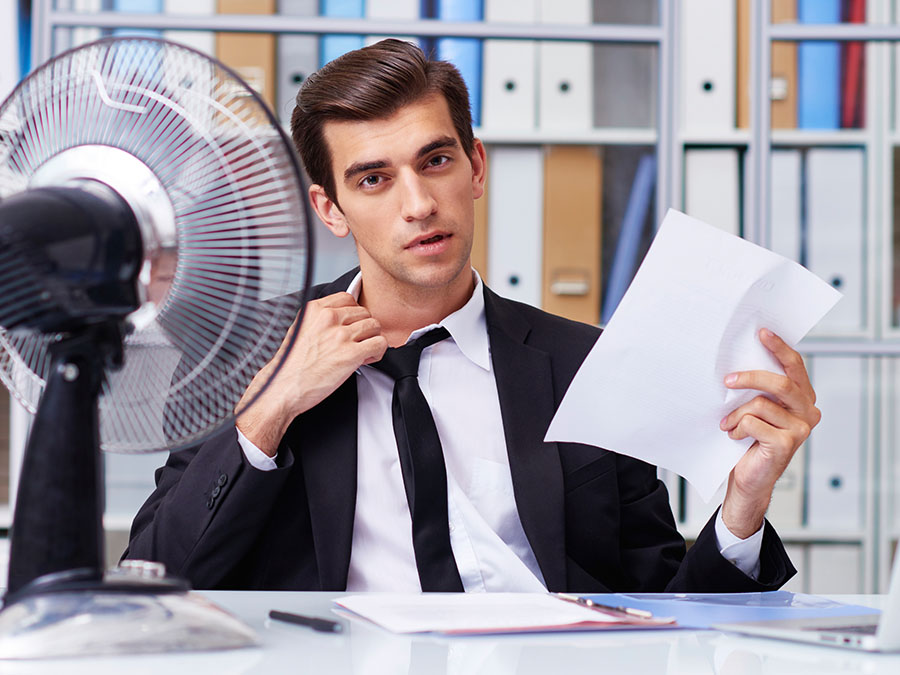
{"x":58,"y":523}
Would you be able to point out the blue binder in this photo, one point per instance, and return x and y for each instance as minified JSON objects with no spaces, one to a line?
{"x":818,"y":69}
{"x":464,"y":53}
{"x":24,"y":18}
{"x":138,"y":7}
{"x":625,"y":260}
{"x":333,"y":46}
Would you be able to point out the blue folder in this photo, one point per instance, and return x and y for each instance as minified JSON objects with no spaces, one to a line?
{"x":333,"y":46}
{"x":818,"y":69}
{"x":464,"y":53}
{"x":703,"y":610}
{"x":625,"y":260}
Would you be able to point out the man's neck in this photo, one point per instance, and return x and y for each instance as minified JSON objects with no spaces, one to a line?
{"x":401,"y":310}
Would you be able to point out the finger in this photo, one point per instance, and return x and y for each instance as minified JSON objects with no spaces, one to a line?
{"x":364,"y":329}
{"x":352,"y":314}
{"x":342,"y":299}
{"x":789,"y":358}
{"x":781,"y":387}
{"x":767,"y":435}
{"x":373,"y":349}
{"x":765,"y":409}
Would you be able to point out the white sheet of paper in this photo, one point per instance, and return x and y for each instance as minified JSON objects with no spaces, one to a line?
{"x":653,"y":385}
{"x":478,"y":612}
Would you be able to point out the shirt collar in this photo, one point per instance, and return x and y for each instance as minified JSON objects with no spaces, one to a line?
{"x":467,"y":325}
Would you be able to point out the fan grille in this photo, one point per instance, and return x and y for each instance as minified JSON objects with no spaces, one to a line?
{"x":242,"y":262}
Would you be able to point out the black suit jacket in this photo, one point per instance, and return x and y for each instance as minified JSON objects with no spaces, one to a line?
{"x":596,"y":520}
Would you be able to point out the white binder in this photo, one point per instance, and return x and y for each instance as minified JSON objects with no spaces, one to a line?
{"x":786,"y":508}
{"x":712,"y":187}
{"x":80,"y":36}
{"x":836,"y":446}
{"x":565,"y":84}
{"x":298,"y":57}
{"x":708,"y":59}
{"x":9,"y":53}
{"x":385,"y":10}
{"x":835,"y":222}
{"x":201,"y":40}
{"x":515,"y":222}
{"x":508,"y":84}
{"x":129,"y":481}
{"x":798,"y":555}
{"x":835,"y":568}
{"x":786,"y":213}
{"x":697,"y":512}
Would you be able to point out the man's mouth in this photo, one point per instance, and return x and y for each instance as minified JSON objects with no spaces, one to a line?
{"x":432,"y":240}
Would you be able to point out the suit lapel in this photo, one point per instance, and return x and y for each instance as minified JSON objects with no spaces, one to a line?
{"x":326,"y":444}
{"x":325,"y":440}
{"x":524,"y":384}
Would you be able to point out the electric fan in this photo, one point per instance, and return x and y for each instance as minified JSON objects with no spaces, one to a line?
{"x":154,"y":253}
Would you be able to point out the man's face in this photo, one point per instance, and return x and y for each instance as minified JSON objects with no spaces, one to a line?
{"x":406,"y":190}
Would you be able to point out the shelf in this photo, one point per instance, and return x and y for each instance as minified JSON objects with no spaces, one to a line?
{"x":727,"y":137}
{"x":606,"y":136}
{"x":801,"y":536}
{"x":862,"y":346}
{"x":115,"y":522}
{"x":783,"y":137}
{"x":820,"y":137}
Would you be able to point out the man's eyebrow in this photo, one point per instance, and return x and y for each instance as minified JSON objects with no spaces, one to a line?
{"x":442,"y":142}
{"x":363,"y":167}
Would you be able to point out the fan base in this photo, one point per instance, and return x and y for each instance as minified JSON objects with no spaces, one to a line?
{"x":115,"y":617}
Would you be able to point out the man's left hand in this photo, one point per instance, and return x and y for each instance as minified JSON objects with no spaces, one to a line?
{"x":779,"y":420}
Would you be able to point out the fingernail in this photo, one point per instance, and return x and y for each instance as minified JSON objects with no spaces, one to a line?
{"x":731,"y":378}
{"x":767,"y":332}
{"x":722,"y":424}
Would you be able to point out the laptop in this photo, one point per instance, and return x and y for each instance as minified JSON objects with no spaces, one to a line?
{"x":871,"y":633}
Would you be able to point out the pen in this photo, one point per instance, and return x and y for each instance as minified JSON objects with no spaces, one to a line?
{"x":587,"y":602}
{"x":321,"y":625}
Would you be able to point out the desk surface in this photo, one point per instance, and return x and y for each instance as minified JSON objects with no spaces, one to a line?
{"x":363,"y":648}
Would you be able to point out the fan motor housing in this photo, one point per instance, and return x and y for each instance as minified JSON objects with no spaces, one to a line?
{"x":72,"y":254}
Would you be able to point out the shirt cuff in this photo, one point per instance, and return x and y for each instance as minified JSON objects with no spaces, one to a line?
{"x":742,"y":553}
{"x":257,"y":458}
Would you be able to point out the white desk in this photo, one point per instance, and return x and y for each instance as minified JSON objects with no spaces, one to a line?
{"x":364,"y":648}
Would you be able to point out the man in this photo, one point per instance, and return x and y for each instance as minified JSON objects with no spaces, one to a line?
{"x":309,"y":491}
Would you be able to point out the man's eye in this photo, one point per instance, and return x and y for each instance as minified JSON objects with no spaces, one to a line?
{"x":370,"y":181}
{"x":437,"y":160}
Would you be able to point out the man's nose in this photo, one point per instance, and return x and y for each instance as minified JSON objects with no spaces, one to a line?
{"x":418,"y":202}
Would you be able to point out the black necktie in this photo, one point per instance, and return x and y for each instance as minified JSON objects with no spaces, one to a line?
{"x":422,"y":463}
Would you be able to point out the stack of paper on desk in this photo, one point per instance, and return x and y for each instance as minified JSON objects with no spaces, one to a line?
{"x":483,"y":613}
{"x":653,"y":385}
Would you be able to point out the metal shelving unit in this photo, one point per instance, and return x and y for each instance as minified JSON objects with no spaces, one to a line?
{"x":879,"y":341}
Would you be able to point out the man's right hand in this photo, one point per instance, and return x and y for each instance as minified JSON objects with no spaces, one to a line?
{"x":337,"y":336}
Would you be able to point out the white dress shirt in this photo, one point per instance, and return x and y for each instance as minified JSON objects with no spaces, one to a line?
{"x":489,"y":544}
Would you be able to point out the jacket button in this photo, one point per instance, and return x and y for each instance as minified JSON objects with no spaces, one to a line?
{"x":216,"y":491}
{"x":222,"y":480}
{"x":210,"y":503}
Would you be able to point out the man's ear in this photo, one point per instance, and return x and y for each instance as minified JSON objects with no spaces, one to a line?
{"x":479,"y":168}
{"x":328,"y":211}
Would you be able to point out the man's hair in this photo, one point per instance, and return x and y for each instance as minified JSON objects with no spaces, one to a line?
{"x":372,"y":83}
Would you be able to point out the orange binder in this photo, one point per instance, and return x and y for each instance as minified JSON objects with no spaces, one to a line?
{"x":572,"y":232}
{"x":252,"y":55}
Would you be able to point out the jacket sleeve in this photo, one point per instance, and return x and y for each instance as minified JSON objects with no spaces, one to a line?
{"x":207,"y":508}
{"x":653,"y":552}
